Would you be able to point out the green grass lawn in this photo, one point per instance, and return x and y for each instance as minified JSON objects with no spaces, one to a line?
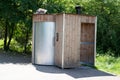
{"x":108,"y":63}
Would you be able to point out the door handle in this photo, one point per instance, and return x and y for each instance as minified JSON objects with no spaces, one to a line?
{"x":57,"y":36}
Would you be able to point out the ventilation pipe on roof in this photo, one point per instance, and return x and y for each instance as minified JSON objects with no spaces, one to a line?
{"x":78,"y":9}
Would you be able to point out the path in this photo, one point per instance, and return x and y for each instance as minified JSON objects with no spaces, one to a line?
{"x":19,"y":67}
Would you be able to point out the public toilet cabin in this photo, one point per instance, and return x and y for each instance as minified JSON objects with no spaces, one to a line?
{"x":74,"y":39}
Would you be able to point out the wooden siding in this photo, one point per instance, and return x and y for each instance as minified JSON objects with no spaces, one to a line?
{"x":43,"y":17}
{"x":58,"y":44}
{"x":87,"y":43}
{"x":88,"y":19}
{"x":67,"y":49}
{"x":76,"y":38}
{"x":72,"y":38}
{"x":33,"y":57}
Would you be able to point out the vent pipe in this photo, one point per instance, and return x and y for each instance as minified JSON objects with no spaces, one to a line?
{"x":78,"y":9}
{"x":41,"y":11}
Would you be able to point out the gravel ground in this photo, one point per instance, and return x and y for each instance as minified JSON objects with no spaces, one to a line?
{"x":19,"y":67}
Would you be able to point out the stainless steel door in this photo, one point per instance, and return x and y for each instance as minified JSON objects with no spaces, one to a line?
{"x":44,"y":43}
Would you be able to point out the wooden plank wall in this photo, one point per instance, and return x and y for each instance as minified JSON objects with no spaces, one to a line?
{"x":87,"y":19}
{"x":43,"y":17}
{"x":58,"y":44}
{"x":72,"y":40}
{"x":77,"y":28}
{"x":87,"y":43}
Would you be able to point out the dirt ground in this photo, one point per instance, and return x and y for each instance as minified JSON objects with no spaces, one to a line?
{"x":19,"y":67}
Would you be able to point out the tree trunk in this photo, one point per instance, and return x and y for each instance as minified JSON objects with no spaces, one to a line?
{"x":11,"y":35}
{"x":5,"y":37}
{"x":26,"y":42}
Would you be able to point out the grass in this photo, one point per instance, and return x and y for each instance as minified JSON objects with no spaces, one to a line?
{"x":108,"y":63}
{"x":14,"y":46}
{"x":1,"y":43}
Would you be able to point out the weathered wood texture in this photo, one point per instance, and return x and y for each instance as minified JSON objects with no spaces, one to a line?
{"x":43,"y":17}
{"x":71,"y":41}
{"x":87,"y":43}
{"x":88,"y":19}
{"x":67,"y":49}
{"x":74,"y":38}
{"x":58,"y":40}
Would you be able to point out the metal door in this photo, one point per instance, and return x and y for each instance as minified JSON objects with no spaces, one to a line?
{"x":44,"y":43}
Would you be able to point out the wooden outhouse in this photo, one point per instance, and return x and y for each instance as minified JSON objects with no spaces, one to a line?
{"x":74,"y":38}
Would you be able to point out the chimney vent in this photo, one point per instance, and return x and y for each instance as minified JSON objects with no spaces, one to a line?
{"x":78,"y":9}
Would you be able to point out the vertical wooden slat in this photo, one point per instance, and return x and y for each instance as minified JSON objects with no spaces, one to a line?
{"x":33,"y":24}
{"x":77,"y":28}
{"x":63,"y":40}
{"x":95,"y":39}
{"x":58,"y":44}
{"x":72,"y":46}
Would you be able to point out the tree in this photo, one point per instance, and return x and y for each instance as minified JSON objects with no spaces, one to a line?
{"x":24,"y":26}
{"x":108,"y":13}
{"x":16,"y":19}
{"x":13,"y":12}
{"x":8,"y":13}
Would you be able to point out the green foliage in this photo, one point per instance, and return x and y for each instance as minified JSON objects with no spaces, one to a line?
{"x":1,"y":30}
{"x":108,"y":23}
{"x":15,"y":12}
{"x":54,"y":6}
{"x":108,"y":63}
{"x":16,"y":16}
{"x":14,"y":46}
{"x":1,"y":43}
{"x":20,"y":37}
